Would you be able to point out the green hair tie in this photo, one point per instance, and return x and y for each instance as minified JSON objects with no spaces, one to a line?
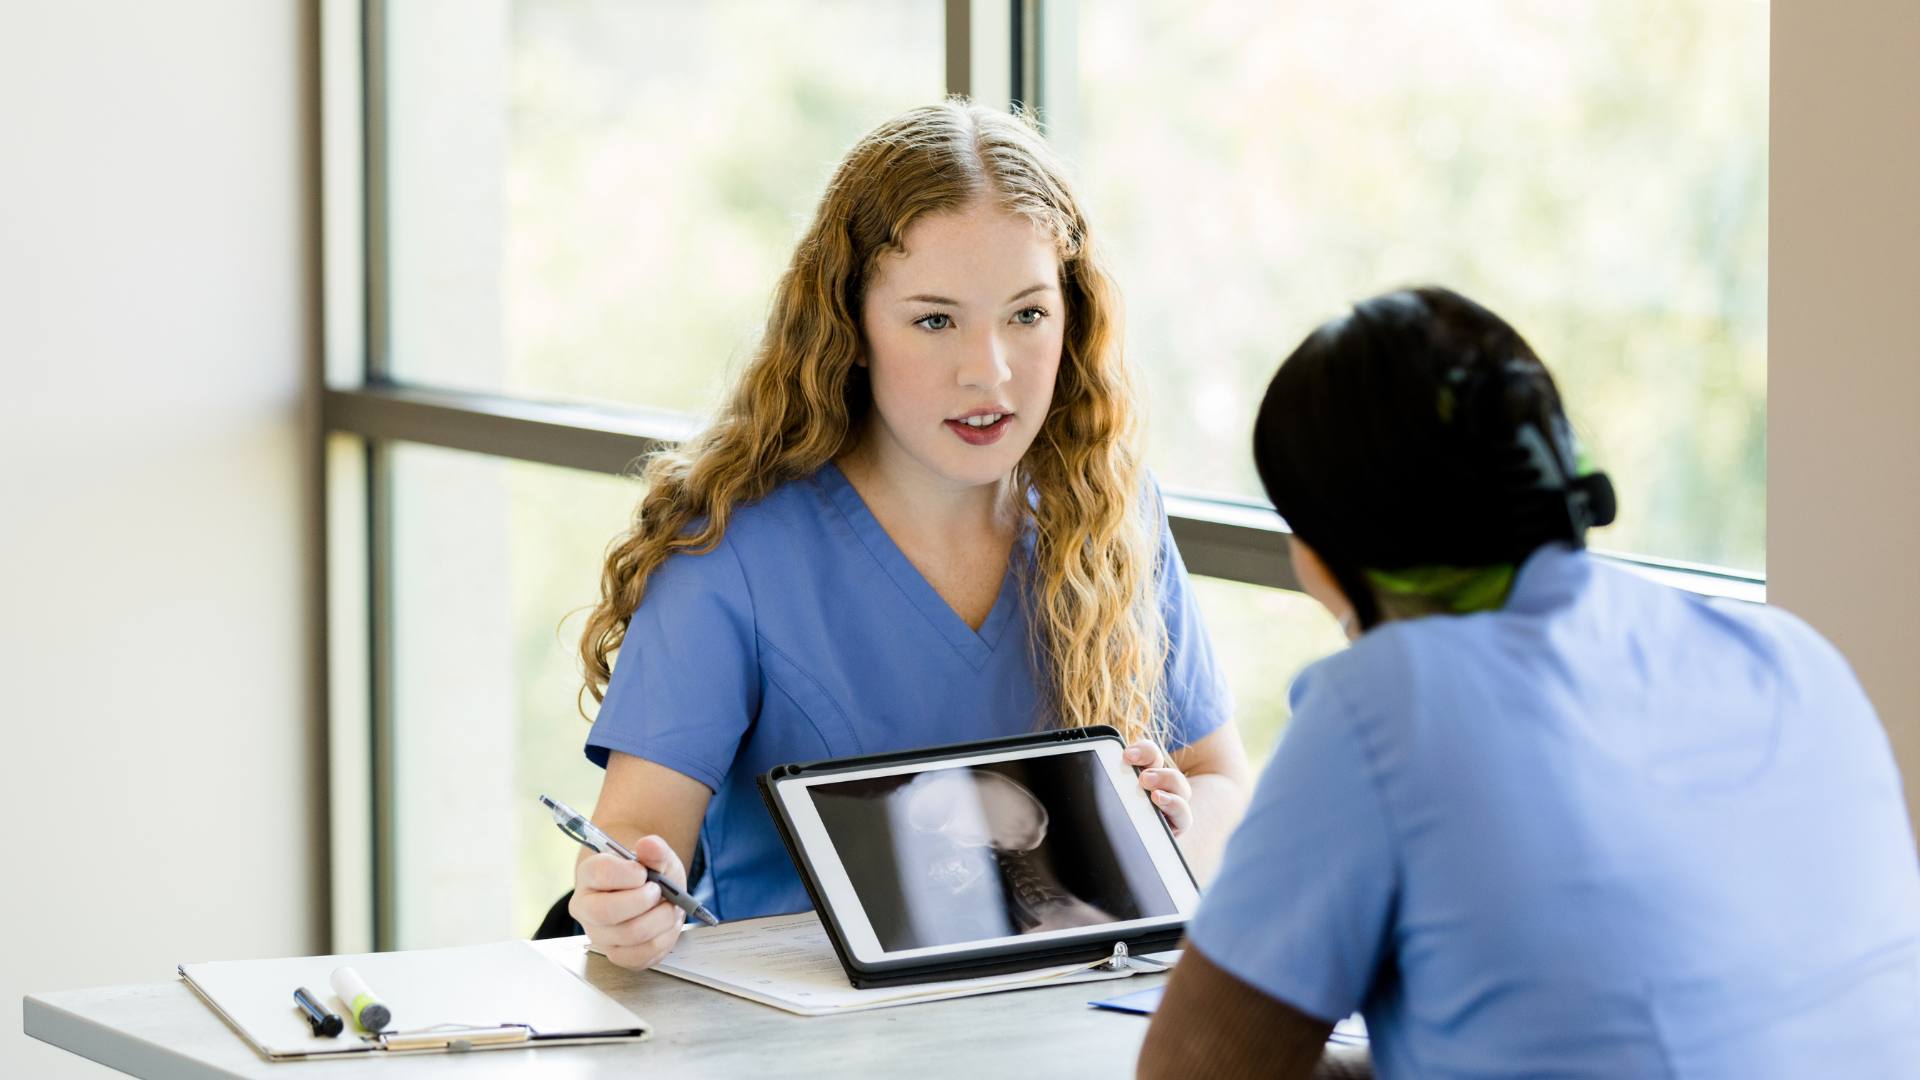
{"x":1458,"y":589}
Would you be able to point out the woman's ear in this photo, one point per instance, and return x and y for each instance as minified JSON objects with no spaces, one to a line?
{"x":1310,"y":570}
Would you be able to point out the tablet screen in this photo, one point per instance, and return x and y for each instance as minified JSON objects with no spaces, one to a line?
{"x":990,"y":850}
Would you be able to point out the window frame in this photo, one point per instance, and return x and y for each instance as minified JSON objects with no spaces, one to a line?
{"x":993,"y":52}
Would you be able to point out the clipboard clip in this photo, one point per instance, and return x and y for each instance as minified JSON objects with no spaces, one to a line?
{"x":455,"y":1038}
{"x":1122,"y":961}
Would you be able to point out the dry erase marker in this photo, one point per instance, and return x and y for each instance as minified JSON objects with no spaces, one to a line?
{"x":324,"y":1022}
{"x":366,"y":1010}
{"x":576,"y":825}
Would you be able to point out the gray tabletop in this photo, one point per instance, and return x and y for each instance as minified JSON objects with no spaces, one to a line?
{"x":163,"y":1031}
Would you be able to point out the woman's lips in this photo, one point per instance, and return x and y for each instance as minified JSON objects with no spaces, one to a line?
{"x":981,"y":436}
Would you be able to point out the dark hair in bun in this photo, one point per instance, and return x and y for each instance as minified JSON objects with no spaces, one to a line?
{"x":1420,"y":430}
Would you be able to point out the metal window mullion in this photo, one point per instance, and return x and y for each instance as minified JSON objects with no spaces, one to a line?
{"x":959,"y":47}
{"x":318,"y":716}
{"x":379,"y":343}
{"x":380,"y":598}
{"x":1023,"y":61}
{"x":380,"y":643}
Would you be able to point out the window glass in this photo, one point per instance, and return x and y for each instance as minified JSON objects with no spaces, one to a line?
{"x":494,"y":563}
{"x":1593,"y":170}
{"x":1262,"y":638}
{"x":594,"y":198}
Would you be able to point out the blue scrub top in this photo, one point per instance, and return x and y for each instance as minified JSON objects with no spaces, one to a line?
{"x":807,"y":634}
{"x":1610,"y":830}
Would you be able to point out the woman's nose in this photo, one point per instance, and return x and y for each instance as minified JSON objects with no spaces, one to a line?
{"x":985,"y":365}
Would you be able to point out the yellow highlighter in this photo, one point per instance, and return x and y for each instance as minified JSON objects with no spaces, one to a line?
{"x":367,"y":1010}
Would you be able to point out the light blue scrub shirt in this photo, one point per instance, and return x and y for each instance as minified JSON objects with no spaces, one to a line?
{"x":807,"y":634}
{"x":1611,"y":830}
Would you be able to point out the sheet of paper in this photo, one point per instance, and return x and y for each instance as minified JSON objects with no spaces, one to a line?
{"x":786,"y":961}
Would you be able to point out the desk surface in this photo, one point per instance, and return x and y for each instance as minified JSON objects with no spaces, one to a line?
{"x":164,"y":1031}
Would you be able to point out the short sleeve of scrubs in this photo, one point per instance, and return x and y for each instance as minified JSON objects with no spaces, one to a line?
{"x":1303,"y":903}
{"x":686,"y":682}
{"x":1197,"y":697}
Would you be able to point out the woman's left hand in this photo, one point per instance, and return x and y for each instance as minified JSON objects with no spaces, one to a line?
{"x":1165,"y":784}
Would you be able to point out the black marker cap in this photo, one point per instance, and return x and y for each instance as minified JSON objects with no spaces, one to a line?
{"x":318,"y":1018}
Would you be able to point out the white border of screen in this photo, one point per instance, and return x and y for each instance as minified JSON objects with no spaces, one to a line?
{"x":857,"y":930}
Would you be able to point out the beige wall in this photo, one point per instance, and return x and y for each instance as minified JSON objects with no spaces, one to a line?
{"x":1843,"y":395}
{"x":157,"y":324}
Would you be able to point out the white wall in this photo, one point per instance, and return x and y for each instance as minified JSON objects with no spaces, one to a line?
{"x":1843,"y":395}
{"x":157,"y":327}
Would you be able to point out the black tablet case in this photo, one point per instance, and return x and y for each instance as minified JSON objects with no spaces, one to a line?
{"x":1003,"y":959}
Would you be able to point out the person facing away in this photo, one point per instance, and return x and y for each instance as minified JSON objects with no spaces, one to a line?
{"x":920,"y":518}
{"x":1544,"y":817}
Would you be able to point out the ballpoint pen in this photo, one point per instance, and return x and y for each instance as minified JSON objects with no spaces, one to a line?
{"x":576,"y":825}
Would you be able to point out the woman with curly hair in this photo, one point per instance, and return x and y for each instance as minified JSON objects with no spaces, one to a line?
{"x":921,"y":518}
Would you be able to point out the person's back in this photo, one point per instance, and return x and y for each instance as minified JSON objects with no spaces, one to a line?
{"x":1545,"y":817}
{"x":1635,"y":833}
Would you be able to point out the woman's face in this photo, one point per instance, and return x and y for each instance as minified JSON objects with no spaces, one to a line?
{"x":963,"y":335}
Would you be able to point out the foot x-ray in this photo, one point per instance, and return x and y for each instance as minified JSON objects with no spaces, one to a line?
{"x":977,"y":852}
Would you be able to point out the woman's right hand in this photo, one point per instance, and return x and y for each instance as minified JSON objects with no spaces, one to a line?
{"x":622,"y":912}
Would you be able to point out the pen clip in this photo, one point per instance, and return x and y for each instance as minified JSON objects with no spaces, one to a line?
{"x":578,"y":836}
{"x":455,"y":1038}
{"x":589,"y":834}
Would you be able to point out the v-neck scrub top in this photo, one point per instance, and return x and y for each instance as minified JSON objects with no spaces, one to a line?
{"x":807,"y":634}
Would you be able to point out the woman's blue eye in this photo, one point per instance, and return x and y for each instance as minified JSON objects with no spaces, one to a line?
{"x":1030,"y":316}
{"x":936,"y":321}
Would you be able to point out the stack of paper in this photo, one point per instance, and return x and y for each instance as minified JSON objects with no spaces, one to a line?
{"x":787,"y":962}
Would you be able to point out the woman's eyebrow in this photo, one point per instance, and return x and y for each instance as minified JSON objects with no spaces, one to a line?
{"x":929,"y":298}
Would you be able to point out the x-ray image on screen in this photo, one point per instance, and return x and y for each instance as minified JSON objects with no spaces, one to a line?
{"x":976,"y":852}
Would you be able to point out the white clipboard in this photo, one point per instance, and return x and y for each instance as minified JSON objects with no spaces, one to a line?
{"x":472,"y":997}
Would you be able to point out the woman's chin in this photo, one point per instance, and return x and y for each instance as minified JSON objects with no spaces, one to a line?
{"x":975,"y":466}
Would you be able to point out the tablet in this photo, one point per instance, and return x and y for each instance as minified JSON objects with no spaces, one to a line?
{"x":993,"y":855}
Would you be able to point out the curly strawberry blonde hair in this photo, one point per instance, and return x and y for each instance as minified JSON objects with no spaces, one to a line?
{"x":1099,"y":641}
